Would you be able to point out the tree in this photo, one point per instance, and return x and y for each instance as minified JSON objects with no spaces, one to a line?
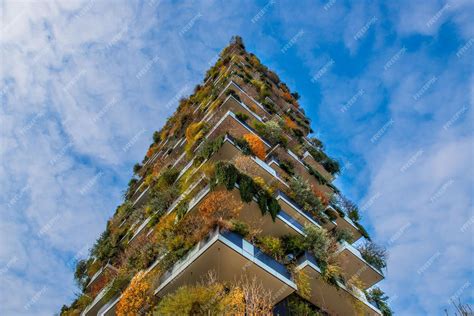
{"x":289,"y":123}
{"x":194,"y":133}
{"x":80,"y":275}
{"x":258,"y":300}
{"x":156,"y":137}
{"x":374,"y":254}
{"x":220,"y":206}
{"x":318,"y":242}
{"x":256,"y":145}
{"x":205,"y":298}
{"x":304,"y":196}
{"x":378,"y":297}
{"x":137,"y":297}
{"x":136,"y":168}
{"x":295,"y":95}
{"x":271,"y":131}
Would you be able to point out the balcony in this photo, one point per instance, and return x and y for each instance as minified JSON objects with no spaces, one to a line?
{"x":344,"y":222}
{"x":292,"y":208}
{"x":258,"y":108}
{"x":353,"y":265}
{"x":229,"y":151}
{"x":284,"y":224}
{"x":231,"y":257}
{"x":317,"y":166}
{"x":336,"y":300}
{"x":101,"y":277}
{"x":99,"y":303}
{"x":299,"y":167}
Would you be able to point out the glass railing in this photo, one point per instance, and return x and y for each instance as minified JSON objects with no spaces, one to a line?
{"x":239,"y":241}
{"x":291,"y":221}
{"x":295,"y":205}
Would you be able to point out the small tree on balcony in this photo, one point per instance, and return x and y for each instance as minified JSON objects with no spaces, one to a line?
{"x":318,"y":242}
{"x":256,"y":145}
{"x":80,"y":275}
{"x":378,"y":297}
{"x":220,"y":206}
{"x":304,"y":196}
{"x":271,"y":131}
{"x":137,"y":297}
{"x":258,"y":300}
{"x":136,"y":168}
{"x":374,"y":254}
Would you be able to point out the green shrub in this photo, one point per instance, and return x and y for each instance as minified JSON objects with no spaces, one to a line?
{"x":234,"y":94}
{"x":271,"y":131}
{"x":363,"y":231}
{"x":242,"y":116}
{"x":269,"y":106}
{"x":272,"y":246}
{"x":331,"y":165}
{"x":240,"y":227}
{"x":298,"y":306}
{"x":105,"y":246}
{"x":167,"y":177}
{"x":344,"y":234}
{"x":80,"y":274}
{"x":244,"y":146}
{"x":294,"y":244}
{"x":304,"y":196}
{"x":117,"y":285}
{"x":268,"y":203}
{"x":182,"y":208}
{"x":317,"y":241}
{"x":226,"y":174}
{"x":156,"y":137}
{"x":136,"y":168}
{"x":207,"y":149}
{"x":161,"y":197}
{"x":273,"y":77}
{"x":316,"y":174}
{"x":331,"y":214}
{"x":288,"y":167}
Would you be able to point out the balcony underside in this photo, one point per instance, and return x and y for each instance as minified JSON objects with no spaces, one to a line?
{"x":230,"y":261}
{"x":344,"y":223}
{"x":336,"y":301}
{"x":355,"y":267}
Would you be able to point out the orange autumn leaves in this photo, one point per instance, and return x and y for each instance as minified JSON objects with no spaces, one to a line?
{"x":136,"y":297}
{"x":256,"y":145}
{"x":220,"y":206}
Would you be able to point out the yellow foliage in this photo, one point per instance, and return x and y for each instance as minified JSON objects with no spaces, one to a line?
{"x":203,"y":299}
{"x":214,"y":105}
{"x":165,"y":226}
{"x":303,"y":283}
{"x":194,"y":133}
{"x":163,"y":134}
{"x":136,"y":298}
{"x":331,"y":271}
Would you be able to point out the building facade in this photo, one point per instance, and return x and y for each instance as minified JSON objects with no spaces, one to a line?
{"x":233,"y":212}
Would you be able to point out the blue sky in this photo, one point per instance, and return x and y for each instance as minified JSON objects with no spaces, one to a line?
{"x":388,"y":86}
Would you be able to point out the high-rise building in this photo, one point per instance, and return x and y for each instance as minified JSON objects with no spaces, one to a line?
{"x":233,"y":212}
